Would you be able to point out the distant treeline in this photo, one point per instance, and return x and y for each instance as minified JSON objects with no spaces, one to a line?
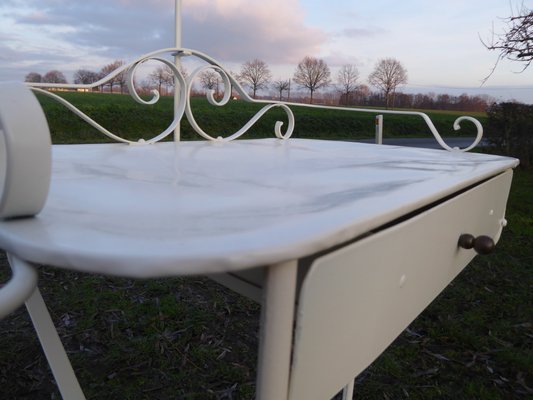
{"x":426,"y":101}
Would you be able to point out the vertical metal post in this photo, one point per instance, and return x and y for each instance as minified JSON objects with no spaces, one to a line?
{"x":177,"y":31}
{"x":347,"y":392}
{"x":275,"y":340}
{"x":379,"y":129}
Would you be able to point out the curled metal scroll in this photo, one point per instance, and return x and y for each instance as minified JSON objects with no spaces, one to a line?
{"x":228,"y":81}
{"x":425,"y":117}
{"x":130,"y":69}
{"x":184,"y":104}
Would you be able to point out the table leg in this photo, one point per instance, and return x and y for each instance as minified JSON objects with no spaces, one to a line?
{"x":347,"y":392}
{"x":275,"y":340}
{"x":53,"y":348}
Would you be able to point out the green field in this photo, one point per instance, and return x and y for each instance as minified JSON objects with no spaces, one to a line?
{"x":189,"y":338}
{"x":121,"y":115}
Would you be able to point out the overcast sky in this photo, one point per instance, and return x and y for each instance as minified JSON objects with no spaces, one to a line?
{"x":438,"y":42}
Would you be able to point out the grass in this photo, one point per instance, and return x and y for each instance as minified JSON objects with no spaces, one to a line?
{"x":122,"y":115}
{"x":189,"y":338}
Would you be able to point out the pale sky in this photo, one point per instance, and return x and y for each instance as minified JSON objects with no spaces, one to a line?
{"x":438,"y":42}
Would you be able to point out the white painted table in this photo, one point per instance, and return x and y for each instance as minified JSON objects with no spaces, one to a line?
{"x":357,"y":238}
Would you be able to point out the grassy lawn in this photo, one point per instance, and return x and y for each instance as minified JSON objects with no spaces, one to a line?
{"x":122,"y":115}
{"x":189,"y":338}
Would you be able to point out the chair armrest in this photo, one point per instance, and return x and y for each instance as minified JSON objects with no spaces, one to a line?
{"x":21,"y":285}
{"x":25,"y":152}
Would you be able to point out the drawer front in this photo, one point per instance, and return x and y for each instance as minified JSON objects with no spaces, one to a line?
{"x":356,"y":300}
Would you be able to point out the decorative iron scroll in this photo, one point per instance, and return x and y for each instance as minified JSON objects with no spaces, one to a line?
{"x":183,"y":103}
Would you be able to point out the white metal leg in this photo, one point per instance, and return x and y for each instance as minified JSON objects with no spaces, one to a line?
{"x":347,"y":392}
{"x":20,"y":286}
{"x":379,"y":129}
{"x":275,"y":341}
{"x":53,"y":348}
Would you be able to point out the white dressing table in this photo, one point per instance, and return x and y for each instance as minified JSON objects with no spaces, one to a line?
{"x":344,"y":244}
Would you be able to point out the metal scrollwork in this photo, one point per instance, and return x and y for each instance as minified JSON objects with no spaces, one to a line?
{"x":229,"y":82}
{"x":130,"y":70}
{"x":183,"y":101}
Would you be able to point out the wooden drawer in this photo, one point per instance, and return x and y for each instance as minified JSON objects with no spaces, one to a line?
{"x":356,"y":300}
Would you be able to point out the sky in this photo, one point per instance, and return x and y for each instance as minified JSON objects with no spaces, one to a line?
{"x":438,"y":42}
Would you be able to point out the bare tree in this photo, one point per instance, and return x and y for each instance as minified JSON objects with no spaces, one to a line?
{"x":209,"y":80}
{"x":106,"y":70}
{"x":109,"y":68}
{"x":162,"y":76}
{"x":347,"y":80}
{"x":54,"y":76}
{"x":33,"y":77}
{"x":256,"y":74}
{"x":144,"y":87}
{"x":85,"y":76}
{"x":516,"y":42}
{"x":361,"y":94}
{"x":313,"y":74}
{"x":280,"y":85}
{"x":387,"y":76}
{"x":184,"y":72}
{"x":120,"y":78}
{"x":171,"y":79}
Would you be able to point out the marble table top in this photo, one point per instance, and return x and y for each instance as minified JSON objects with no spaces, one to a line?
{"x":206,"y":207}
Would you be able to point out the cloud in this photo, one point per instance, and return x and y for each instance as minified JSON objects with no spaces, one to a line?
{"x":8,"y":55}
{"x":35,"y":18}
{"x":273,"y":30}
{"x":354,"y":33}
{"x":229,"y":30}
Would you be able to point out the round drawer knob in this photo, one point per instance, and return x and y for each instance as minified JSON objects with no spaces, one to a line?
{"x":481,"y":244}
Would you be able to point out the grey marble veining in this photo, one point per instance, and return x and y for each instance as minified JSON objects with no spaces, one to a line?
{"x":202,"y":207}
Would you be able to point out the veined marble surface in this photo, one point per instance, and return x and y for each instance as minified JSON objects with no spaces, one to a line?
{"x":204,"y":207}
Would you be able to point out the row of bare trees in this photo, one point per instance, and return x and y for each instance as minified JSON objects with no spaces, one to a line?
{"x":314,"y":74}
{"x":53,"y":76}
{"x":84,"y":76}
{"x":311,"y":74}
{"x":363,"y":96}
{"x":163,"y":77}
